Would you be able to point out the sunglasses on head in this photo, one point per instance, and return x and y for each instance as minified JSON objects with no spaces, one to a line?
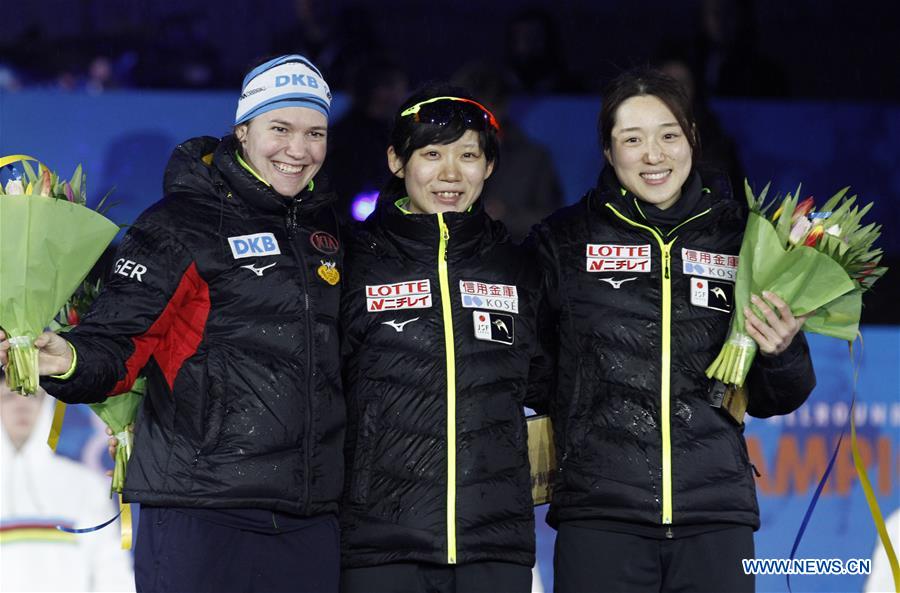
{"x":440,"y":110}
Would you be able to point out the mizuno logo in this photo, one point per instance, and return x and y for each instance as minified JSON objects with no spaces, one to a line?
{"x":719,"y":293}
{"x":399,"y":325}
{"x":617,"y":283}
{"x":258,"y":271}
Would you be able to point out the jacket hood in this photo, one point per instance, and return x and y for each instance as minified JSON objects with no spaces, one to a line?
{"x":190,"y":167}
{"x":35,"y":446}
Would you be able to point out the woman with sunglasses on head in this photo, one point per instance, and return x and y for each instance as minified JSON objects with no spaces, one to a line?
{"x":654,"y":489}
{"x":439,"y":317}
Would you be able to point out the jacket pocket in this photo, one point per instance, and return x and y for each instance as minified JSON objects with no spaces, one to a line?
{"x":364,"y":454}
{"x":213,"y":411}
{"x":572,"y":431}
{"x":741,"y":456}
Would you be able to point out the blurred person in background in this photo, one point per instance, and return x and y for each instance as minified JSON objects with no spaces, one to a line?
{"x":526,"y":188}
{"x":355,"y":164}
{"x":179,"y":53}
{"x":40,"y":490}
{"x":535,"y":54}
{"x":718,"y":149}
{"x":729,"y":62}
{"x":334,"y":36}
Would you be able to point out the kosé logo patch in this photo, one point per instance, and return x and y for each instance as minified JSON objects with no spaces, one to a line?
{"x":618,"y":258}
{"x":414,"y":294}
{"x":254,"y":245}
{"x":718,"y":266}
{"x":480,"y":295}
{"x":712,"y":294}
{"x":494,"y":327}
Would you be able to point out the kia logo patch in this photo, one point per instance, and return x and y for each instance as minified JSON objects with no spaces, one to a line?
{"x":324,"y":242}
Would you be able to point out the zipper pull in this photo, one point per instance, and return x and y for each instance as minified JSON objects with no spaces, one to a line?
{"x":667,"y":262}
{"x":289,"y":220}
{"x":669,"y":534}
{"x":445,"y":237}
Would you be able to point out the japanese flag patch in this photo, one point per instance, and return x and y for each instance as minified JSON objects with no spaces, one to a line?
{"x":494,"y":327}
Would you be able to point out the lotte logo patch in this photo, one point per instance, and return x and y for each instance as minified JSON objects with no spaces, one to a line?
{"x":412,"y":294}
{"x":617,"y":258}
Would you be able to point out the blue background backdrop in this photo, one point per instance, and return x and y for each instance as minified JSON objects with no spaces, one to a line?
{"x":123,"y":139}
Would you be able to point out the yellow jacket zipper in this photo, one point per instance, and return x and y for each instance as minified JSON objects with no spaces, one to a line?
{"x":666,"y":364}
{"x":443,"y":279}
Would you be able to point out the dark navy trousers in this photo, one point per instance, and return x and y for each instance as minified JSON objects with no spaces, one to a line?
{"x":598,"y":561}
{"x":179,"y":552}
{"x":420,"y":577}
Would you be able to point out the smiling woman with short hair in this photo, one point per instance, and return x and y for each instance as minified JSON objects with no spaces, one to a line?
{"x":440,"y":314}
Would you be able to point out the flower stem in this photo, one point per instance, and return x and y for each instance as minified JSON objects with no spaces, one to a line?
{"x":733,"y":362}
{"x":22,"y":371}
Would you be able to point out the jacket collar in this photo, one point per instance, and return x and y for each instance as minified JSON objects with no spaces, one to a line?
{"x":418,"y":235}
{"x":696,"y":199}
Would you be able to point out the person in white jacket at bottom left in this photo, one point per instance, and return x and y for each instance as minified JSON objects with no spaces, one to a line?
{"x":40,"y":490}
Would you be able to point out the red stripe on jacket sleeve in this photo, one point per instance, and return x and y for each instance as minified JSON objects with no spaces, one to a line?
{"x":175,"y":335}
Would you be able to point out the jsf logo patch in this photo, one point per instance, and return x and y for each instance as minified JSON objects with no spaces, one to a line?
{"x":618,"y":258}
{"x":414,"y":294}
{"x":254,"y":245}
{"x":710,"y":294}
{"x":296,"y":80}
{"x":494,"y":327}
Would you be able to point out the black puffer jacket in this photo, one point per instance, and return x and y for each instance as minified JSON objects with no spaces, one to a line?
{"x":641,"y":315}
{"x":221,"y":291}
{"x":439,"y":336}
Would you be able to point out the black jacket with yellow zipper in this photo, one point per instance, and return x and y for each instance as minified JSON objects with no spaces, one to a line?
{"x":642,"y":310}
{"x":439,"y":326}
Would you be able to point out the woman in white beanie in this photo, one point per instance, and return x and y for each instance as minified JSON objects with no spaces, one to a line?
{"x":225,"y":295}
